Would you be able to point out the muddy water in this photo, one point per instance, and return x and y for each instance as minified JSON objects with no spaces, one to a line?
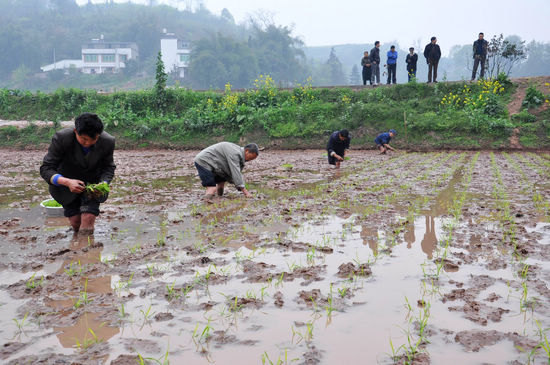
{"x":321,"y":266}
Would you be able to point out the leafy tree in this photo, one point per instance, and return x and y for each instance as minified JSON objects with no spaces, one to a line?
{"x":504,"y":54}
{"x":336,"y":74}
{"x":160,"y":84}
{"x":279,"y":54}
{"x":227,"y":16}
{"x":354,"y":78}
{"x":218,"y":60}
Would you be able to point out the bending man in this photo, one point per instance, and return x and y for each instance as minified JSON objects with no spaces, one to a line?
{"x":221,"y":163}
{"x":337,"y":147}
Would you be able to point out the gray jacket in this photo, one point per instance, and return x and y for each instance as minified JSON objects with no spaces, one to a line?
{"x":225,"y":160}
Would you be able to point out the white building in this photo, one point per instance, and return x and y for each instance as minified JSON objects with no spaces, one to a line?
{"x":175,"y":54}
{"x":99,"y":57}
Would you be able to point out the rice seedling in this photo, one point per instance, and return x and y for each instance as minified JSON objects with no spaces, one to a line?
{"x":31,"y":283}
{"x":20,"y":324}
{"x":204,"y":335}
{"x":147,"y":314}
{"x":83,"y":297}
{"x":73,"y":269}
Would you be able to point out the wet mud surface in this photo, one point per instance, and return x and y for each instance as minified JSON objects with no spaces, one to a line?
{"x":423,"y":258}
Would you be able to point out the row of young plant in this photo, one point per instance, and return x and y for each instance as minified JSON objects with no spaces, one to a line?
{"x":518,"y":257}
{"x":416,"y":333}
{"x":391,"y":237}
{"x":300,"y":112}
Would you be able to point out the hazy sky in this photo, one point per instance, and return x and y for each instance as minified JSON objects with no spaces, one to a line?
{"x":329,"y":22}
{"x":408,"y":22}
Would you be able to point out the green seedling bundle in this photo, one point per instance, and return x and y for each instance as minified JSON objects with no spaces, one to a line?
{"x":98,"y":189}
{"x":51,"y":203}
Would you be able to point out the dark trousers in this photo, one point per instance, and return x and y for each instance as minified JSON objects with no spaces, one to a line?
{"x":411,"y":72}
{"x":375,"y":73}
{"x":432,"y":70}
{"x":477,"y":60}
{"x":366,"y":75}
{"x":391,"y":73}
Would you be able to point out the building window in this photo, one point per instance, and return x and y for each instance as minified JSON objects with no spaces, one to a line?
{"x":90,"y":58}
{"x":108,"y":58}
{"x":184,"y":57}
{"x":123,"y":57}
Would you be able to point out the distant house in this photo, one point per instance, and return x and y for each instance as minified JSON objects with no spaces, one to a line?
{"x":175,"y":54}
{"x":98,"y":57}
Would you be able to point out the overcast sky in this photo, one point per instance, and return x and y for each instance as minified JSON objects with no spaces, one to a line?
{"x":408,"y":22}
{"x":330,"y":22}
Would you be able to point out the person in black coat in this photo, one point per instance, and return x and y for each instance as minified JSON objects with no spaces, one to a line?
{"x":480,"y":49}
{"x":337,"y":147}
{"x":365,"y":62}
{"x":432,"y":52}
{"x":411,"y":60}
{"x":76,"y":157}
{"x":375,"y":64}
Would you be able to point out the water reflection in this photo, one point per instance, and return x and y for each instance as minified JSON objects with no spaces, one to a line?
{"x":370,"y":238}
{"x":409,"y":233}
{"x":429,"y":240}
{"x":88,"y":327}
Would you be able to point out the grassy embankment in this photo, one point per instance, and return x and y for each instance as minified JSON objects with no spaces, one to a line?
{"x":445,"y":115}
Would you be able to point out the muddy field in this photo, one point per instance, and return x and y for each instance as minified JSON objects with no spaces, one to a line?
{"x":425,"y":258}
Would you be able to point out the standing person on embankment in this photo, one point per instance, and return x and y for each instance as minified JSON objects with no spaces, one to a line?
{"x":221,"y":163}
{"x":76,"y":157}
{"x":337,"y":147}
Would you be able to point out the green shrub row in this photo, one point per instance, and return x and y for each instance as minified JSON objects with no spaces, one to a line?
{"x":300,"y":112}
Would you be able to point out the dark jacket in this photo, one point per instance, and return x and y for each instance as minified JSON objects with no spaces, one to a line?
{"x":365,"y":62}
{"x":411,"y":61}
{"x":432,"y":52}
{"x":375,"y":55}
{"x":335,"y":144}
{"x":484,"y":47}
{"x":66,"y":157}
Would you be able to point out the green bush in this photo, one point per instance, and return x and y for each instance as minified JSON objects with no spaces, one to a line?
{"x":524,"y":117}
{"x":533,"y":98}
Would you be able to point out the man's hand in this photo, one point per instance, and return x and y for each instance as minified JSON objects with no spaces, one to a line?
{"x":75,"y":186}
{"x":246,"y":193}
{"x":338,"y":157}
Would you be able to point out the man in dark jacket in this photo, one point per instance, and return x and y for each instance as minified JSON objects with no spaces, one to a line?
{"x":480,"y":55}
{"x":432,"y":52}
{"x":77,"y":157}
{"x":365,"y":62}
{"x":392,"y":65}
{"x":375,"y":64}
{"x":411,"y":60}
{"x":337,"y":147}
{"x":383,"y":141}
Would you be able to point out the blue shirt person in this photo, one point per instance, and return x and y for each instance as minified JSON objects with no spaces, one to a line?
{"x":337,"y":147}
{"x":392,"y":65}
{"x":383,"y":141}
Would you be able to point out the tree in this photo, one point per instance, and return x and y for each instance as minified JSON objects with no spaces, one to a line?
{"x":160,"y":84}
{"x":336,"y":74}
{"x":279,"y":54}
{"x":504,"y":54}
{"x":354,"y":78}
{"x":219,"y":60}
{"x":227,"y":16}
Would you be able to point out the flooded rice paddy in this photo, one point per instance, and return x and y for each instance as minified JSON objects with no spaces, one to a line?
{"x":424,"y":258}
